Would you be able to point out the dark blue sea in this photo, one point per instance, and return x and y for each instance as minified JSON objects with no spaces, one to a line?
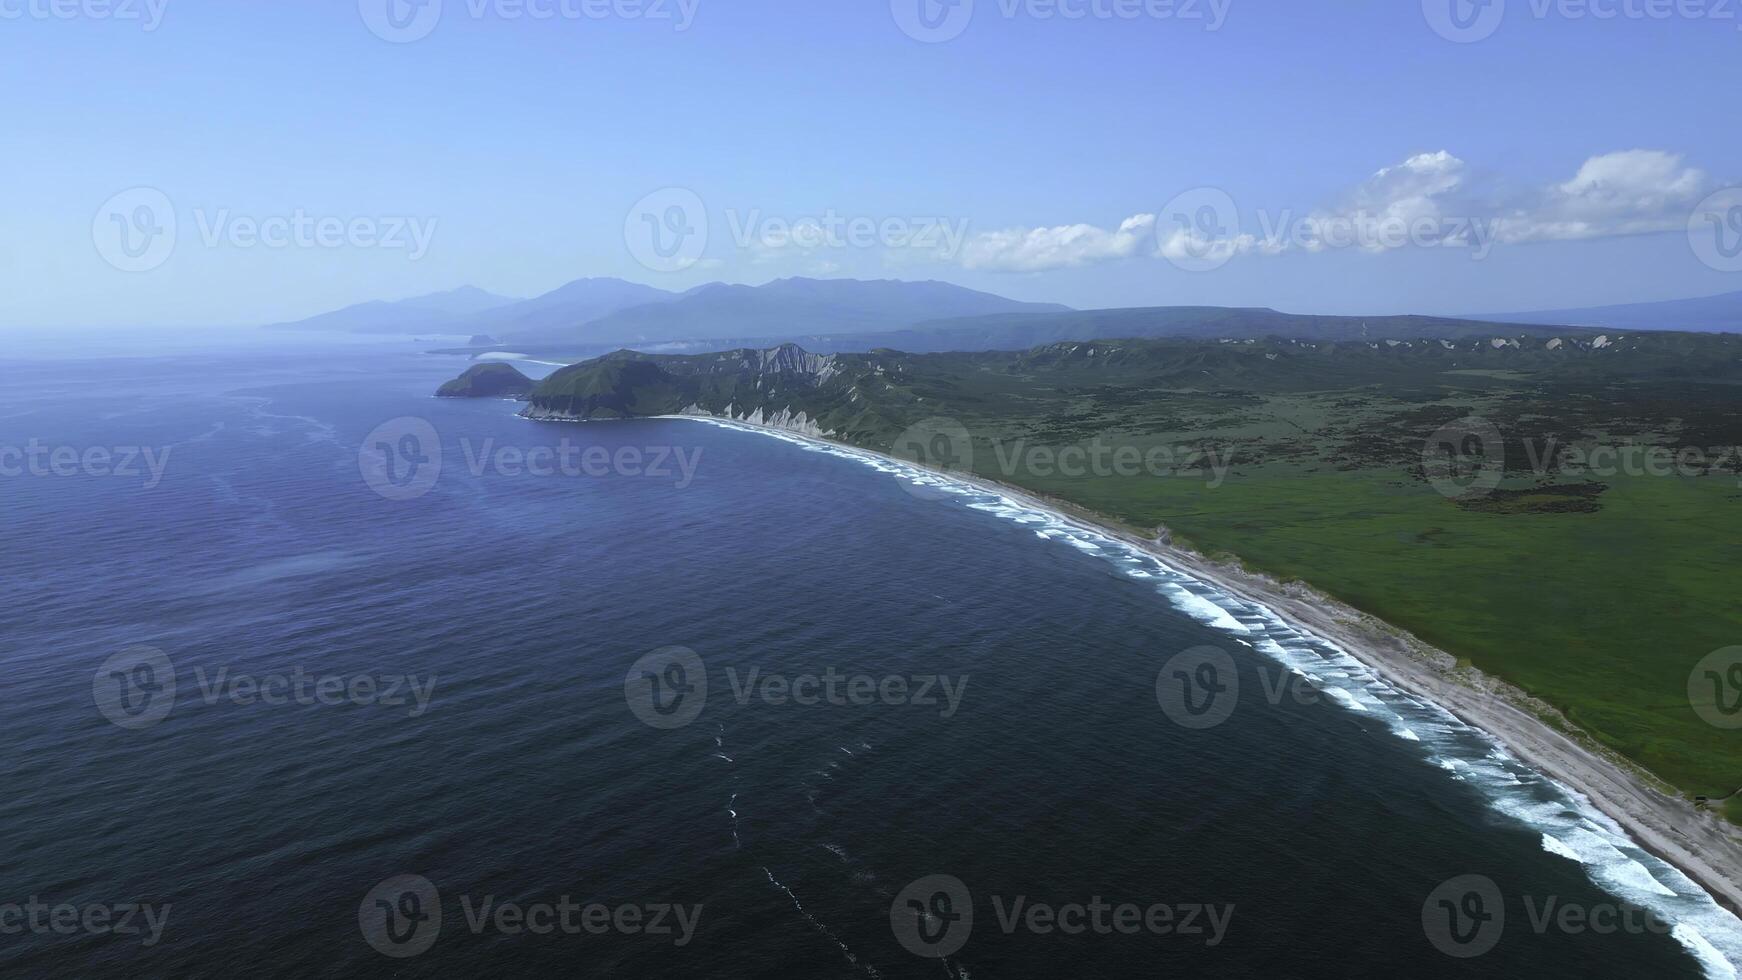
{"x":337,"y":679}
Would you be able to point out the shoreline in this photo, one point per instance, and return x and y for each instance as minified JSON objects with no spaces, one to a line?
{"x":1699,"y":845}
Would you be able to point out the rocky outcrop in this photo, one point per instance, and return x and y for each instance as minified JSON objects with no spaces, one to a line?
{"x":785,"y":419}
{"x":493,"y":380}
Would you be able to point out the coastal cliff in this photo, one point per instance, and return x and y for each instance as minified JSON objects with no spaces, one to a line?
{"x":784,"y":387}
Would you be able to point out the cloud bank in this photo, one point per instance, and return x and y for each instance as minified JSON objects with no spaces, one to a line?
{"x":1428,"y":200}
{"x":1061,"y":247}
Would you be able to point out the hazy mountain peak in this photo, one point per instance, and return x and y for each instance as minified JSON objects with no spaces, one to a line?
{"x":431,"y":312}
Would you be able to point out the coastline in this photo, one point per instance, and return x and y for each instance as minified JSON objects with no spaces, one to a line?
{"x":1699,"y":845}
{"x":1668,"y":827}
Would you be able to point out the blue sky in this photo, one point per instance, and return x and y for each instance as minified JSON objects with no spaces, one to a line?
{"x":516,"y":153}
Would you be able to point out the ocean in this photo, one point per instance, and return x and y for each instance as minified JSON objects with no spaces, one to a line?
{"x":311,"y":674}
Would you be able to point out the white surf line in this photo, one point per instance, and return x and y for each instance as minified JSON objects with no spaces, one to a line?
{"x":852,"y":957}
{"x":1577,"y":829}
{"x":731,"y":805}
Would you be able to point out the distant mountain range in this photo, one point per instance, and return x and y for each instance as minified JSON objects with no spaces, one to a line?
{"x":420,"y":313}
{"x":613,"y":311}
{"x":589,"y":316}
{"x":797,"y":307}
{"x":1705,"y":314}
{"x":564,"y":312}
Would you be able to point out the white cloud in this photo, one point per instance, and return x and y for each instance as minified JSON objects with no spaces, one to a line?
{"x":1190,"y":245}
{"x":1061,"y":247}
{"x":1625,"y":193}
{"x":1428,"y":200}
{"x":1382,"y":210}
